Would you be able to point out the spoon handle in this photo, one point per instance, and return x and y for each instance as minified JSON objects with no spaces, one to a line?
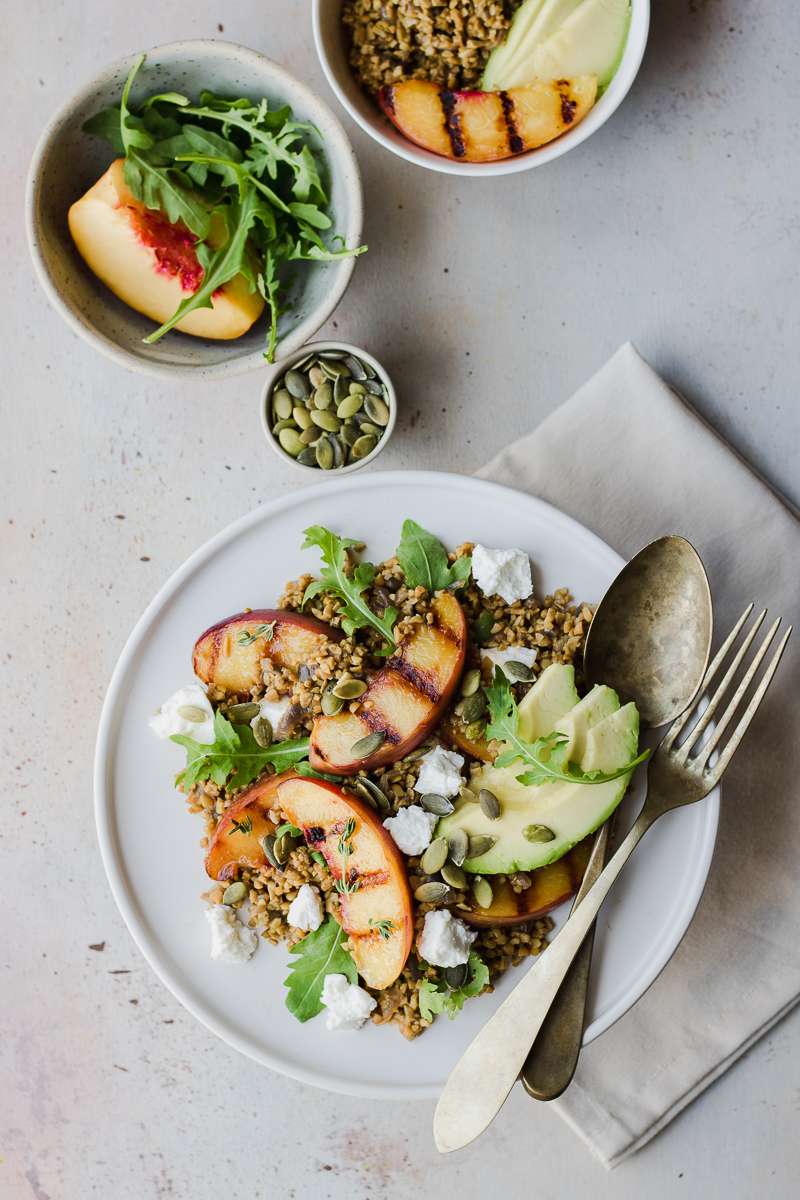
{"x":480,"y":1082}
{"x":553,"y":1057}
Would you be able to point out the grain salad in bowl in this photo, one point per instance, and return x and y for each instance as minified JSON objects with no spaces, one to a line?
{"x":397,"y":775}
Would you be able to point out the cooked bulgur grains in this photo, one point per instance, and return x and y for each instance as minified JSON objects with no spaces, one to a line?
{"x":447,"y":43}
{"x":555,"y":625}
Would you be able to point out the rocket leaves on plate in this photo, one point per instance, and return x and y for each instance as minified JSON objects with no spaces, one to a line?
{"x":437,"y":997}
{"x":241,"y":177}
{"x":546,"y":758}
{"x":424,"y":561}
{"x":234,"y":753}
{"x":317,"y":955}
{"x":349,"y":582}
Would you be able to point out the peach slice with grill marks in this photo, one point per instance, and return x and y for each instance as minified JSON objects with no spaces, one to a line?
{"x":228,"y":656}
{"x":404,"y":701}
{"x":375,"y":899}
{"x":550,"y":886}
{"x":486,"y":126}
{"x":236,"y":842}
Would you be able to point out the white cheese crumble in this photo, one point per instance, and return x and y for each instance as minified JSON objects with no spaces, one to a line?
{"x":445,"y":940}
{"x":503,"y":573}
{"x":273,"y":710}
{"x":499,"y":658}
{"x":231,"y":941}
{"x":440,"y":772}
{"x":305,"y":911}
{"x":169,"y":720}
{"x":348,"y":1004}
{"x":411,"y":829}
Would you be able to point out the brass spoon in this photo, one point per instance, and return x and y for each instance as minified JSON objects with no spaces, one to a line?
{"x":650,"y":640}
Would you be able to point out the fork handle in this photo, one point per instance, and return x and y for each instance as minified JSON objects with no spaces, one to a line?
{"x":485,"y":1074}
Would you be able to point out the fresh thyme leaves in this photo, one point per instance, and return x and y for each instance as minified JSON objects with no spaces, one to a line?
{"x":424,"y":561}
{"x":437,"y":997}
{"x":317,"y":955}
{"x":345,"y":885}
{"x":349,"y":587}
{"x":383,"y":927}
{"x":234,"y":753}
{"x":545,"y":759}
{"x":243,"y":178}
{"x":247,"y":637}
{"x":243,"y":826}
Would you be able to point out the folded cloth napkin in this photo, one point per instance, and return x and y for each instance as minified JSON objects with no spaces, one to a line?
{"x":652,"y":466}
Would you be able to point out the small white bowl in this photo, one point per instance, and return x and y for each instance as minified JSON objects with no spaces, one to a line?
{"x":282,"y":367}
{"x":331,"y":42}
{"x":67,"y":161}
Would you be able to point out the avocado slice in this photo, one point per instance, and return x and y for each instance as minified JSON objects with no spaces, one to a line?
{"x":550,"y":699}
{"x":606,"y":736}
{"x":532,"y":23}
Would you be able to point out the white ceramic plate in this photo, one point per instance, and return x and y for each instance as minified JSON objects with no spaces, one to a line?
{"x":150,"y":845}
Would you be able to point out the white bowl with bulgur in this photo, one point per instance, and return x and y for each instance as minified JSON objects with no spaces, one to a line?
{"x":263,"y":658}
{"x":370,"y":48}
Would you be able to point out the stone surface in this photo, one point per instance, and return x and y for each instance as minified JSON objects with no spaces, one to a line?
{"x":675,"y":226}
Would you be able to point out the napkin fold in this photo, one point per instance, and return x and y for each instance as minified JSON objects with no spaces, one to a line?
{"x":653,"y":466}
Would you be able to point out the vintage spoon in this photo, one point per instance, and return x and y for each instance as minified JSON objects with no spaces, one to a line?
{"x":650,"y":640}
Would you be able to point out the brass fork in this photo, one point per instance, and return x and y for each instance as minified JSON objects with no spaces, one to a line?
{"x":482,"y":1079}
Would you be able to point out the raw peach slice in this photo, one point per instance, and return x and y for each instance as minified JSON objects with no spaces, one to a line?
{"x":228,"y":656}
{"x":550,"y":886}
{"x":236,"y":841}
{"x":375,"y":901}
{"x":404,"y":700}
{"x":151,"y":264}
{"x":486,"y":126}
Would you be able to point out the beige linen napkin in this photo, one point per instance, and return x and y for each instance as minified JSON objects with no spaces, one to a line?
{"x":651,"y":466}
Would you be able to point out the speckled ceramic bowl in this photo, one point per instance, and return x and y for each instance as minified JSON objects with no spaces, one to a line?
{"x":66,"y":162}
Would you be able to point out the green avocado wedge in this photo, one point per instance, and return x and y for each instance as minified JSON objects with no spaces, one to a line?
{"x":605,"y":737}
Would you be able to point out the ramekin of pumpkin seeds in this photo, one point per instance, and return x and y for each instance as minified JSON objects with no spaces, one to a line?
{"x":330,"y":407}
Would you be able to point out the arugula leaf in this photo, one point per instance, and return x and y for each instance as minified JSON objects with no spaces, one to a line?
{"x":546,"y":757}
{"x":356,"y":613}
{"x":106,"y":124}
{"x":234,"y":753}
{"x":436,"y":997}
{"x":423,"y":559}
{"x":317,"y":955}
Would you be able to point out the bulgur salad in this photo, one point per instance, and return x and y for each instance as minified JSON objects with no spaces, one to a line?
{"x":397,"y":775}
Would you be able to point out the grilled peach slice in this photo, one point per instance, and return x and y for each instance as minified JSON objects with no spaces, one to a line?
{"x":228,"y":656}
{"x":236,"y":840}
{"x":455,"y":732}
{"x":486,"y":126}
{"x":376,"y":910}
{"x":550,"y":886}
{"x":404,"y":700}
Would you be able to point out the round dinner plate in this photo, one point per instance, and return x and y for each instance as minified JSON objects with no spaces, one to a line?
{"x":149,"y":842}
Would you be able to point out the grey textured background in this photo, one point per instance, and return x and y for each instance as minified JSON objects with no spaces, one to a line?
{"x":675,"y":226}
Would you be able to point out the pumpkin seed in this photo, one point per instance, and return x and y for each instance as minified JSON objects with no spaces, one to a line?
{"x":331,"y":704}
{"x":435,"y":803}
{"x":324,"y":454}
{"x":323,"y":396}
{"x":283,"y":848}
{"x":303,"y":362}
{"x":373,"y":387}
{"x":472,"y":708}
{"x":456,"y":977}
{"x":490,"y":805}
{"x":431,"y":893}
{"x":454,"y":876}
{"x":350,"y":434}
{"x":234,"y":892}
{"x":286,"y":423}
{"x":338,"y":451}
{"x":366,"y":787}
{"x":471,"y":682}
{"x":262,"y":732}
{"x":267,"y":844}
{"x":239,"y":713}
{"x":307,"y":457}
{"x":377,"y":410}
{"x":282,"y":404}
{"x":193,"y":713}
{"x":309,"y":436}
{"x":349,"y":689}
{"x":373,"y":430}
{"x":362,"y":446}
{"x":368,"y":745}
{"x":370,"y":370}
{"x":538,"y":833}
{"x":355,"y":367}
{"x":327,"y":421}
{"x":316,"y":376}
{"x":301,"y":415}
{"x":356,"y":389}
{"x":333,"y":355}
{"x":297,"y":385}
{"x":482,"y":891}
{"x":517,"y":672}
{"x":475,"y":731}
{"x":435,"y":856}
{"x":334,"y":369}
{"x":341,"y":389}
{"x":457,"y":846}
{"x":349,"y":406}
{"x":290,"y":441}
{"x":479,"y":845}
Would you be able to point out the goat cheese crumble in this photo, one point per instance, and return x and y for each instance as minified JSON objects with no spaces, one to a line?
{"x":503,"y":573}
{"x":348,"y":1004}
{"x":172,"y":717}
{"x":499,"y":658}
{"x":273,"y":711}
{"x":231,"y":941}
{"x":445,"y":940}
{"x":440,"y":772}
{"x":411,"y":829}
{"x":305,"y":911}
